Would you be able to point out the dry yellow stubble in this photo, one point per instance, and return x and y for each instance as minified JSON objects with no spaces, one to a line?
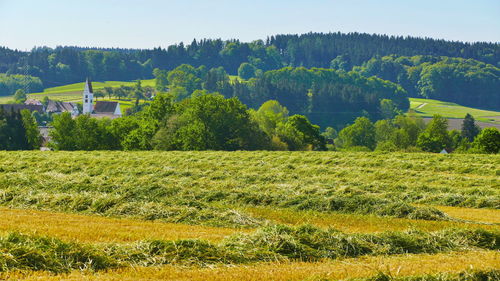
{"x":94,"y":229}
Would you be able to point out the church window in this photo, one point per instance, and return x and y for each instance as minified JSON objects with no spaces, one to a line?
{"x":86,"y":100}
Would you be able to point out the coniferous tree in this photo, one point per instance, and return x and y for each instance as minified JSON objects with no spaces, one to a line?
{"x":469,"y":128}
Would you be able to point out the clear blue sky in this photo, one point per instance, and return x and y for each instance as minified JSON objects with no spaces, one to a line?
{"x":152,"y":23}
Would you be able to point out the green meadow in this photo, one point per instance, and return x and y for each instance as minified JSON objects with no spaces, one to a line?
{"x":429,"y":107}
{"x":73,"y":92}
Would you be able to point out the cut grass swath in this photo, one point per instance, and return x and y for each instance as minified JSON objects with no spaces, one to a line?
{"x":364,"y":267}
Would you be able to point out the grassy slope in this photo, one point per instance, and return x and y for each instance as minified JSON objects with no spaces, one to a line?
{"x":73,"y":92}
{"x":429,"y":107}
{"x":78,"y":87}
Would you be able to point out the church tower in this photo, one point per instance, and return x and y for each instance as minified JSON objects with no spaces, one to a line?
{"x":88,"y":98}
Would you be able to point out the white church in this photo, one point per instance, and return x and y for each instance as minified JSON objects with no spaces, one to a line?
{"x":110,"y":109}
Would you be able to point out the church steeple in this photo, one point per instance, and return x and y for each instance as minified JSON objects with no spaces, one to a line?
{"x":88,"y":97}
{"x":88,"y":86}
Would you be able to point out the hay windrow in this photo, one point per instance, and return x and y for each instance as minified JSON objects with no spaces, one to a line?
{"x":273,"y":243}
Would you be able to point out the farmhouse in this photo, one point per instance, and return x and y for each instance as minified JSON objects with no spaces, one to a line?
{"x":58,"y":107}
{"x":18,"y":107}
{"x":33,"y":102}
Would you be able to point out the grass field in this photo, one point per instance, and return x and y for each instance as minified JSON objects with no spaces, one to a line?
{"x":429,"y":107}
{"x":252,"y":215}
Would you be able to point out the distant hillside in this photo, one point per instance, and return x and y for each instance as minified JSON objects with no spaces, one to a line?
{"x":465,"y":73}
{"x":64,"y":65}
{"x":73,"y":92}
{"x":455,"y":113}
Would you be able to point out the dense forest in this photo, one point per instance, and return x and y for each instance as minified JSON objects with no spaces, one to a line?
{"x":464,"y":81}
{"x":466,"y":73}
{"x":207,"y":121}
{"x":327,"y":97}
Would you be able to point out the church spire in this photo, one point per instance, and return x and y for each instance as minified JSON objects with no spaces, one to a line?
{"x":88,"y":98}
{"x":88,"y":86}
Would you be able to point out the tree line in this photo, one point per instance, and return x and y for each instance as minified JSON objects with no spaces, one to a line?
{"x":464,"y":81}
{"x":63,"y":65}
{"x":9,"y":84}
{"x":318,"y":49}
{"x":205,"y":121}
{"x":327,"y":97}
{"x":409,"y":133}
{"x":209,"y":121}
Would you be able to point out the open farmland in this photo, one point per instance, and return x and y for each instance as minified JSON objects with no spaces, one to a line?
{"x":73,"y":92}
{"x":246,"y":215}
{"x":427,"y":108}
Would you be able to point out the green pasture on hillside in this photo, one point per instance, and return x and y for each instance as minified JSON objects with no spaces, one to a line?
{"x":73,"y":92}
{"x":429,"y":107}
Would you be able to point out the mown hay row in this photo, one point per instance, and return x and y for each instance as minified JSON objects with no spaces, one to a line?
{"x":97,"y":229}
{"x":274,"y":243}
{"x":165,"y":182}
{"x":470,"y":275}
{"x":399,"y":266}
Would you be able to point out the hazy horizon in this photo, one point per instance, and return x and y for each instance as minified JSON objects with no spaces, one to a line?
{"x":134,"y":24}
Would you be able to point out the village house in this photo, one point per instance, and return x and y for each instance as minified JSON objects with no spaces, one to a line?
{"x":58,"y":107}
{"x":33,"y":102}
{"x":18,"y":107}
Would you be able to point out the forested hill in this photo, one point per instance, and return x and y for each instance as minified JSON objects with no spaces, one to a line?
{"x":471,"y":75}
{"x":318,"y":49}
{"x":69,"y":64}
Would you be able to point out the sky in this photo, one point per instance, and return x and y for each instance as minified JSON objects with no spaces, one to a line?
{"x":153,"y":23}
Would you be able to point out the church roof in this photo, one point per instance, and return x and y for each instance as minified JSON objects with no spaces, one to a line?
{"x":105,"y":107}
